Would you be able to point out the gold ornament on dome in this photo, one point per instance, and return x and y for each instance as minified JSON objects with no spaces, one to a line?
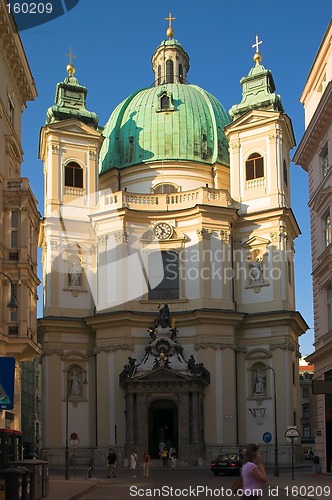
{"x":170,"y":32}
{"x":257,"y":55}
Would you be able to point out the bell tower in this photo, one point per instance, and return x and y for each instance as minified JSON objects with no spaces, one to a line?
{"x":69,"y":148}
{"x":260,"y":139}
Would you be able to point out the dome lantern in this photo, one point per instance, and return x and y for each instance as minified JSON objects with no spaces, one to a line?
{"x":170,"y":62}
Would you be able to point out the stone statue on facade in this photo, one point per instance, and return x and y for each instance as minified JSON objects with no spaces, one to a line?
{"x":75,"y":274}
{"x":259,"y":382}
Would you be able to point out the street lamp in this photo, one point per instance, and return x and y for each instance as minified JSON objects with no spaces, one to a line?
{"x":76,"y":370}
{"x":276,"y":451}
{"x":12,"y":304}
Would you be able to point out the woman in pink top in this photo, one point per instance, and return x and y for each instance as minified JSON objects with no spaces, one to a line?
{"x":253,"y":472}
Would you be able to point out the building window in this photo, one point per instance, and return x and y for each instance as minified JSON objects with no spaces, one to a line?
{"x":159,"y":75}
{"x":329,"y":306}
{"x":14,"y":230}
{"x":285,"y":173}
{"x":306,"y":434}
{"x":305,"y":410}
{"x":169,"y":71}
{"x":164,"y":102}
{"x":168,"y":287}
{"x":305,"y":392}
{"x":324,"y":159}
{"x":180,"y":73}
{"x":11,"y":110}
{"x":254,"y":167}
{"x":165,"y":188}
{"x":9,"y":420}
{"x":73,"y":175}
{"x":327,"y":230}
{"x":14,"y":314}
{"x":289,"y":271}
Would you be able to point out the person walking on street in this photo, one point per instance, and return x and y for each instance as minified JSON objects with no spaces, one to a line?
{"x":164,"y":457}
{"x":111,"y":462}
{"x":146,"y":463}
{"x":133,"y":463}
{"x":253,"y":472}
{"x":172,"y":453}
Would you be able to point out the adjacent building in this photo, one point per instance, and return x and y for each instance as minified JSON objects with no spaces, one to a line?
{"x":168,"y":265}
{"x":308,"y":406}
{"x":314,"y":155}
{"x":19,"y":223}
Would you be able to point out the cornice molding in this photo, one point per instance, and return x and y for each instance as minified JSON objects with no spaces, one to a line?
{"x":319,"y":122}
{"x":113,"y":348}
{"x":14,"y":57}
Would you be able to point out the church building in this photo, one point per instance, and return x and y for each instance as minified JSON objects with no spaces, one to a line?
{"x":168,"y":269}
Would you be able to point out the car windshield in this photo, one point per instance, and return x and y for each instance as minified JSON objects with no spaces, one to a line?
{"x":230,"y":456}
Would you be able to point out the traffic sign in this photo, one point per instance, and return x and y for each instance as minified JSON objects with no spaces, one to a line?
{"x":292,"y":433}
{"x":74,"y":439}
{"x":7,"y":376}
{"x":267,"y":437}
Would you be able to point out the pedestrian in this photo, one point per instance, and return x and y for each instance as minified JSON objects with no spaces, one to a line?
{"x":253,"y":472}
{"x":164,"y":456}
{"x":172,"y":453}
{"x":111,"y":462}
{"x":133,"y":463}
{"x":146,"y":463}
{"x":161,"y":447}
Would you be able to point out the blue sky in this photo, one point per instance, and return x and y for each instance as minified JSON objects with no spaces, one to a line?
{"x":114,"y":42}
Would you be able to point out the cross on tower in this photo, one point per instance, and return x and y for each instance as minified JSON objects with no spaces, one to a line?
{"x":256,"y":44}
{"x":170,"y":19}
{"x":70,"y":55}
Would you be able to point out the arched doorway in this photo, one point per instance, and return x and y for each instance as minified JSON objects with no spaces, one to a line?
{"x":163,"y":425}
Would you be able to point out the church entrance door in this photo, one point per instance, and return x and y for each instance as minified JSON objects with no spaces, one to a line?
{"x":163,"y":426}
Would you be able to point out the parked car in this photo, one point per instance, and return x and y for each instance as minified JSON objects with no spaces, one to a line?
{"x":228,"y":464}
{"x":30,"y":456}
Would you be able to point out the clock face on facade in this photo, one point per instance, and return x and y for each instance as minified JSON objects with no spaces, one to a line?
{"x":163,"y":231}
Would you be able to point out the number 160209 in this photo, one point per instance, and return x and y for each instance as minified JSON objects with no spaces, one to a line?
{"x":30,"y":8}
{"x":308,"y":491}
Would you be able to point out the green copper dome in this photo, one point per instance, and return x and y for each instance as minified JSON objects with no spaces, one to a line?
{"x":172,"y":121}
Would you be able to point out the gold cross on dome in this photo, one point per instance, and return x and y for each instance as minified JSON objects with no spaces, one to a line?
{"x":256,"y":44}
{"x":170,"y":19}
{"x":70,"y":55}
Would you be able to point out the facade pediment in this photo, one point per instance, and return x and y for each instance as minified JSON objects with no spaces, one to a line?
{"x":252,"y":117}
{"x":258,"y":354}
{"x":322,"y":201}
{"x":163,"y":374}
{"x":255,"y":241}
{"x":74,"y":356}
{"x":74,"y":126}
{"x":76,"y":248}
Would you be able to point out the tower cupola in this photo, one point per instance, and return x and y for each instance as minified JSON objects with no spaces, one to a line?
{"x":70,"y":100}
{"x":258,"y":89}
{"x":170,"y":62}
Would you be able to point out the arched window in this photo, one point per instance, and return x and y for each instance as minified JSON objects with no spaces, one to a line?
{"x":285,"y":173}
{"x":165,"y":188}
{"x":254,"y":167}
{"x":164,"y":102}
{"x":169,"y":71}
{"x":73,"y":175}
{"x":159,"y":75}
{"x":181,"y":73}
